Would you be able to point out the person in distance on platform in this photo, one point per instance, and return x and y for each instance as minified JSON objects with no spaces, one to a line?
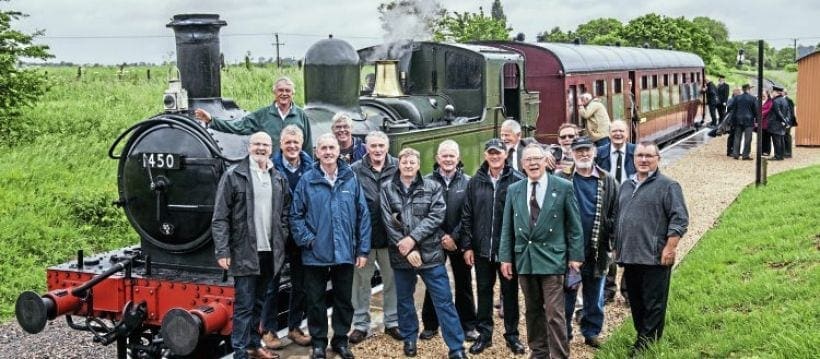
{"x":723,"y":97}
{"x":351,"y":149}
{"x":375,"y":169}
{"x":480,"y":234}
{"x":778,"y":122}
{"x":787,"y":140}
{"x":448,"y":173}
{"x":250,"y":227}
{"x":652,"y":218}
{"x":269,"y":119}
{"x":331,"y":224}
{"x":743,"y":109}
{"x":541,"y":238}
{"x":510,"y":133}
{"x":712,"y":100}
{"x":597,"y":195}
{"x":596,"y":119}
{"x":765,"y":108}
{"x":412,"y":210}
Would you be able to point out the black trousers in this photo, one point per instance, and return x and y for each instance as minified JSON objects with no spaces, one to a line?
{"x":767,"y":142}
{"x":787,"y":143}
{"x":742,"y":134}
{"x":648,"y":288}
{"x":465,"y":302}
{"x":296,"y":305}
{"x":713,"y":115}
{"x":341,"y":277}
{"x":779,"y":147}
{"x":486,"y":272}
{"x":721,"y":108}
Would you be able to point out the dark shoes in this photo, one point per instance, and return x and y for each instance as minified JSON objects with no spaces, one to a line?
{"x":516,"y":346}
{"x":747,"y":158}
{"x":394,"y":333}
{"x":344,"y":352}
{"x":428,"y":334}
{"x":318,"y":353}
{"x":410,"y":349}
{"x":261,"y":353}
{"x":458,"y":355}
{"x":471,"y":336}
{"x":356,"y":336}
{"x":593,"y":342}
{"x":480,"y":345}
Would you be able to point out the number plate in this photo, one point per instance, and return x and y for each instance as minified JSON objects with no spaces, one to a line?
{"x":167,"y":161}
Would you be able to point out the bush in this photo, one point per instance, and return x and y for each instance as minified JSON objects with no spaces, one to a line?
{"x":790,"y":68}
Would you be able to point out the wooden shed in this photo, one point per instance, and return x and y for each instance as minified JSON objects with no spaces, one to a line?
{"x":808,"y":100}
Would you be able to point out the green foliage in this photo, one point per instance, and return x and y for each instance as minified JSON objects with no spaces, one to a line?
{"x":599,"y":31}
{"x":18,"y":87}
{"x":790,"y":67}
{"x":665,"y":32}
{"x":555,"y":35}
{"x":749,"y":288}
{"x":467,"y":26}
{"x":56,"y":186}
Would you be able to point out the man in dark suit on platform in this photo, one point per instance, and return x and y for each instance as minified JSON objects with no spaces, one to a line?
{"x":723,"y":97}
{"x":542,"y":236}
{"x":616,"y":158}
{"x":744,"y":117}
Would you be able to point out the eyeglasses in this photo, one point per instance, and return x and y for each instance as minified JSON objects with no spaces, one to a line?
{"x":341,"y":127}
{"x":564,"y":137}
{"x":260,"y":144}
{"x":645,"y":156}
{"x":532,"y":159}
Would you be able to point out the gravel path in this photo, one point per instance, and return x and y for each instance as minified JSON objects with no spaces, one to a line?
{"x":711,"y":181}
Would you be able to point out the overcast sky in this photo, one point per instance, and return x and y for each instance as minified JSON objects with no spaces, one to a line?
{"x":106,"y":31}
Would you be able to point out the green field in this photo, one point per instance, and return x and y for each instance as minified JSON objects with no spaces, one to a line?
{"x":750,"y":287}
{"x":56,"y":180}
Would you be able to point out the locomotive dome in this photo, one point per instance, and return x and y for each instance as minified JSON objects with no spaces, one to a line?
{"x":331,"y":52}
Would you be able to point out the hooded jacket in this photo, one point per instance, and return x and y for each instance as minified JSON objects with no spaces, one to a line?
{"x":372,"y":183}
{"x":330,"y":223}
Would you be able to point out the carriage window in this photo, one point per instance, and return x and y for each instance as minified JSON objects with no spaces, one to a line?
{"x":600,"y":88}
{"x":654,"y":81}
{"x":666,"y":79}
{"x":582,"y":88}
{"x":461,"y":72}
{"x":643,"y":82}
{"x":617,"y":86}
{"x":674,"y":79}
{"x":683,"y":78}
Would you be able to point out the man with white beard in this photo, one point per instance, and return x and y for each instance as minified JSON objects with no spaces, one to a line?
{"x":597,"y":195}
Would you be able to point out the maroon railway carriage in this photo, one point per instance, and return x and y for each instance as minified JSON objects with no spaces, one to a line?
{"x":655,"y":91}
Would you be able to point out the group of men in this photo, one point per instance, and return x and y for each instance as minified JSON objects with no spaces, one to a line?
{"x":738,"y":116}
{"x":524,"y":218}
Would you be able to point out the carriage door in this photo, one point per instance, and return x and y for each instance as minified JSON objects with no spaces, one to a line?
{"x":572,"y":105}
{"x":633,"y":109}
{"x":510,"y":90}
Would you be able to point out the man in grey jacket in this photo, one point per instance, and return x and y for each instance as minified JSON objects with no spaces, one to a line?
{"x":652,"y":217}
{"x":250,"y":227}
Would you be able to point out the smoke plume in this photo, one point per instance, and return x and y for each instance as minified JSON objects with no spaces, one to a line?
{"x":403,"y":22}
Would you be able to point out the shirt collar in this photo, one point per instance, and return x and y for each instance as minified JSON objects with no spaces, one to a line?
{"x":595,"y":172}
{"x":291,"y":167}
{"x":542,"y":182}
{"x":255,"y":167}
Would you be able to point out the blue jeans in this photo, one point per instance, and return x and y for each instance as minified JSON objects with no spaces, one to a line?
{"x":270,"y":307}
{"x":249,"y":294}
{"x":592,"y":320}
{"x":438,"y":286}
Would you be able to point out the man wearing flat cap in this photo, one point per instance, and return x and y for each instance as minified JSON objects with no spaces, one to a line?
{"x":480,"y":234}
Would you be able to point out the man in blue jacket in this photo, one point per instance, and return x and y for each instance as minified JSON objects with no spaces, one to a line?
{"x":331,"y":224}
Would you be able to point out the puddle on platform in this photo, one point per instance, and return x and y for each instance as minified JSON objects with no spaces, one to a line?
{"x":676,"y":151}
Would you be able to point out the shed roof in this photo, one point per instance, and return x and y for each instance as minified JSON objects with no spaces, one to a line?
{"x":809,"y":54}
{"x":594,"y":58}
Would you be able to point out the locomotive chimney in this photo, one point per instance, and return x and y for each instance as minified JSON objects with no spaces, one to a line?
{"x":387,"y":79}
{"x":197,"y":39}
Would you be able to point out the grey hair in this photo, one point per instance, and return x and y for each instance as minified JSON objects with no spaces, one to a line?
{"x":586,"y":96}
{"x":449,"y":145}
{"x":513,"y":125}
{"x":377,"y":134}
{"x":326,"y":137}
{"x":292,"y":130}
{"x":341,"y":117}
{"x":286,"y":80}
{"x":537,"y":146}
{"x":409,"y":151}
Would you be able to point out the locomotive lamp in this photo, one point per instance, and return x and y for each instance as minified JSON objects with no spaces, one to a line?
{"x":175,"y":98}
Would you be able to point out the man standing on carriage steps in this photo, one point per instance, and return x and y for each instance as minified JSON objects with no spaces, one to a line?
{"x":269,"y":119}
{"x":723,"y":97}
{"x":250,"y":227}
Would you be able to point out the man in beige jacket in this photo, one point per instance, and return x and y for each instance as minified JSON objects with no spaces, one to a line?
{"x":596,"y":119}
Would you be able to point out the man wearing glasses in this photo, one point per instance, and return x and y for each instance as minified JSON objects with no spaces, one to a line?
{"x":351,"y":149}
{"x":541,"y":237}
{"x":566,"y":133}
{"x":652,"y":217}
{"x":250,"y":227}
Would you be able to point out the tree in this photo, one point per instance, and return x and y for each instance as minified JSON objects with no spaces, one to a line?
{"x":498,"y":11}
{"x":18,"y":87}
{"x":663,"y":32}
{"x":599,"y":28}
{"x":466,"y":26}
{"x":555,"y":35}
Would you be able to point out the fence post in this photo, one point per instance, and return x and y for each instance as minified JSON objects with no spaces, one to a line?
{"x":148,"y":74}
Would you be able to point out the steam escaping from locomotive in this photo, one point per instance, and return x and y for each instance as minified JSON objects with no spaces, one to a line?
{"x":404,"y":23}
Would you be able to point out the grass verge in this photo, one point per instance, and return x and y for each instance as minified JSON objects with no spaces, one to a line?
{"x":750,"y":287}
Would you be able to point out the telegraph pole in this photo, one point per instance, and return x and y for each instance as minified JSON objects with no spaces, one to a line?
{"x":277,"y":44}
{"x":795,"y":49}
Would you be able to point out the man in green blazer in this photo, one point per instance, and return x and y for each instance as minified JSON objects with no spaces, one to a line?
{"x":542,"y":234}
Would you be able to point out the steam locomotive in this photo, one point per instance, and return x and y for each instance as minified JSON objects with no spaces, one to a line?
{"x":166,"y":297}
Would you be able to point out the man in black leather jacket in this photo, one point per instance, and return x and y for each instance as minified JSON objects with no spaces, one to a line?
{"x":779,"y":122}
{"x":412,"y":210}
{"x":480,"y":236}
